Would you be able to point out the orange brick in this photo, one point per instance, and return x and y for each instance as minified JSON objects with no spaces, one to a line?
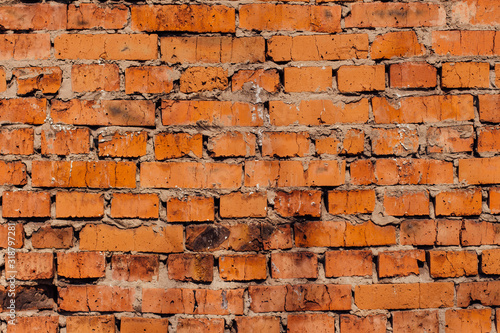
{"x":30,"y":266}
{"x":467,"y":170}
{"x":3,"y":81}
{"x":348,"y":263}
{"x":354,"y":324}
{"x":95,"y":298}
{"x":34,"y":46}
{"x":412,"y":75}
{"x":138,"y":267}
{"x":106,"y":46}
{"x":239,"y":237}
{"x":497,"y":75}
{"x":201,"y":325}
{"x":98,"y":174}
{"x":190,"y":209}
{"x":361,"y":78}
{"x":32,"y":79}
{"x":190,"y":175}
{"x":494,"y":200}
{"x":129,"y":205}
{"x":313,"y":79}
{"x":43,"y":324}
{"x":399,"y":15}
{"x":318,"y":297}
{"x":485,"y":293}
{"x":418,"y":232}
{"x":399,"y":263}
{"x":408,"y":321}
{"x":459,"y":202}
{"x":128,"y":144}
{"x":318,"y":47}
{"x":296,"y":265}
{"x":133,"y":325}
{"x":148,"y":80}
{"x":17,"y":141}
{"x":273,"y":17}
{"x":406,"y":203}
{"x":448,"y":232}
{"x":396,"y":44}
{"x":397,"y":141}
{"x":34,"y":110}
{"x":66,"y":142}
{"x":276,"y":236}
{"x":81,"y":265}
{"x":184,"y":18}
{"x":266,"y":324}
{"x":488,"y":108}
{"x":466,"y":43}
{"x":488,"y":139}
{"x":310,"y":323}
{"x":283,"y":144}
{"x":95,"y":77}
{"x":92,"y":16}
{"x":42,"y":16}
{"x":369,"y":234}
{"x":318,"y":112}
{"x":351,"y":202}
{"x":243,"y":205}
{"x":269,"y":80}
{"x":490,"y":263}
{"x":480,"y":233}
{"x":18,"y":237}
{"x":244,"y":267}
{"x":473,"y":320}
{"x":476,"y":12}
{"x":354,"y":142}
{"x":198,"y":79}
{"x":465,"y":75}
{"x":57,"y":238}
{"x":453,"y":263}
{"x":174,"y":145}
{"x":212,"y":49}
{"x":79,"y":204}
{"x":298,"y":203}
{"x":319,"y":234}
{"x":102,"y":237}
{"x":456,"y":139}
{"x":98,"y":324}
{"x":25,"y":204}
{"x":190,"y":267}
{"x":233,"y":144}
{"x":267,"y":298}
{"x":329,"y":145}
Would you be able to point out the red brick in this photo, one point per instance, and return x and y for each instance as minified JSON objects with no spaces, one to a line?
{"x":137,"y":267}
{"x":240,"y":237}
{"x":369,"y":234}
{"x":298,"y":203}
{"x":267,"y":298}
{"x":480,"y":233}
{"x":104,"y":113}
{"x":497,"y":75}
{"x":467,"y":170}
{"x":149,"y":325}
{"x":32,"y":79}
{"x":399,"y":15}
{"x":485,"y":293}
{"x":406,"y":203}
{"x":128,"y":144}
{"x":396,"y":44}
{"x":368,"y":324}
{"x":148,"y":80}
{"x":97,"y":324}
{"x":413,"y":321}
{"x":318,"y":112}
{"x":351,"y":202}
{"x":453,"y":263}
{"x":190,"y":267}
{"x":256,"y":324}
{"x":190,"y":175}
{"x":198,"y":79}
{"x":494,"y":200}
{"x":24,"y":46}
{"x":313,"y":79}
{"x":418,"y":232}
{"x":39,"y":324}
{"x":297,"y":265}
{"x":101,"y":237}
{"x":318,"y":297}
{"x":174,"y":145}
{"x":488,"y":108}
{"x":490,"y":262}
{"x":200,"y":325}
{"x":25,"y":204}
{"x":465,"y":75}
{"x":65,"y":142}
{"x":488,"y":139}
{"x":319,"y":234}
{"x":361,"y":78}
{"x":79,"y":204}
{"x":285,"y":144}
{"x":476,"y":12}
{"x":399,"y":263}
{"x":456,"y":139}
{"x":34,"y":110}
{"x":354,"y":142}
{"x":348,"y":263}
{"x":212,"y":49}
{"x":233,"y":144}
{"x":129,"y":205}
{"x":473,"y":321}
{"x":96,"y":298}
{"x":81,"y":265}
{"x":106,"y":46}
{"x":190,"y":209}
{"x":276,"y":236}
{"x":318,"y":47}
{"x":269,"y":80}
{"x":459,"y":202}
{"x":448,"y":232}
{"x":57,"y":238}
{"x":95,"y":77}
{"x":243,"y":267}
{"x":18,"y":141}
{"x":421,"y":109}
{"x":239,"y":204}
{"x":183,"y":18}
{"x":310,"y":323}
{"x":43,"y":16}
{"x":394,"y":141}
{"x":30,"y":266}
{"x":92,"y":174}
{"x":412,"y":75}
{"x":278,"y":17}
{"x":466,"y":43}
{"x":92,"y":16}
{"x":3,"y":81}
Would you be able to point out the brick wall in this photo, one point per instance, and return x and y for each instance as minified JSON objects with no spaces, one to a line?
{"x":254,"y":166}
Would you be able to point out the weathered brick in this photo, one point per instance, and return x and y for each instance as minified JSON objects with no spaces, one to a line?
{"x":25,"y":204}
{"x":32,"y":79}
{"x":233,"y":144}
{"x":312,"y":79}
{"x":276,"y":236}
{"x":410,"y":321}
{"x":351,"y":202}
{"x":348,"y":263}
{"x":465,"y":75}
{"x":285,"y":144}
{"x":412,"y":75}
{"x":473,"y":320}
{"x":190,"y":209}
{"x":394,"y":141}
{"x":129,"y":205}
{"x":480,"y":233}
{"x":243,"y":205}
{"x":488,"y":108}
{"x":153,"y":325}
{"x":298,"y":203}
{"x":42,"y":324}
{"x":418,"y":232}
{"x":3,"y":80}
{"x":318,"y":297}
{"x":267,"y":298}
{"x":24,"y":46}
{"x":34,"y":110}
{"x":81,"y":265}
{"x":79,"y":204}
{"x":258,"y":324}
{"x":97,"y":324}
{"x":488,"y":139}
{"x":139,"y":267}
{"x":201,"y":325}
{"x":310,"y":323}
{"x":190,"y":267}
{"x":30,"y":266}
{"x":294,"y":265}
{"x":65,"y":142}
{"x":467,"y":170}
{"x":466,"y":43}
{"x":368,"y":324}
{"x":92,"y":16}
{"x":95,"y":77}
{"x":267,"y":79}
{"x":18,"y":141}
{"x":456,"y":139}
{"x":96,"y":298}
{"x":13,"y":173}
{"x":127,"y":144}
{"x":361,"y":78}
{"x":448,"y":232}
{"x":485,"y":293}
{"x":239,"y":237}
{"x":42,"y":16}
{"x":399,"y":263}
{"x":174,"y":145}
{"x":459,"y":202}
{"x":369,"y":234}
{"x":396,"y":44}
{"x":243,"y":267}
{"x":198,"y":79}
{"x":494,"y":200}
{"x":490,"y":262}
{"x":319,"y":234}
{"x":47,"y":237}
{"x":148,"y":80}
{"x":453,"y":263}
{"x":406,"y":203}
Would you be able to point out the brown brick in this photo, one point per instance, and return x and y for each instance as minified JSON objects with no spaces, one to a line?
{"x":318,"y":297}
{"x":138,"y":267}
{"x":276,"y":236}
{"x":267,"y":298}
{"x":190,"y":267}
{"x":240,"y":237}
{"x":48,"y":237}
